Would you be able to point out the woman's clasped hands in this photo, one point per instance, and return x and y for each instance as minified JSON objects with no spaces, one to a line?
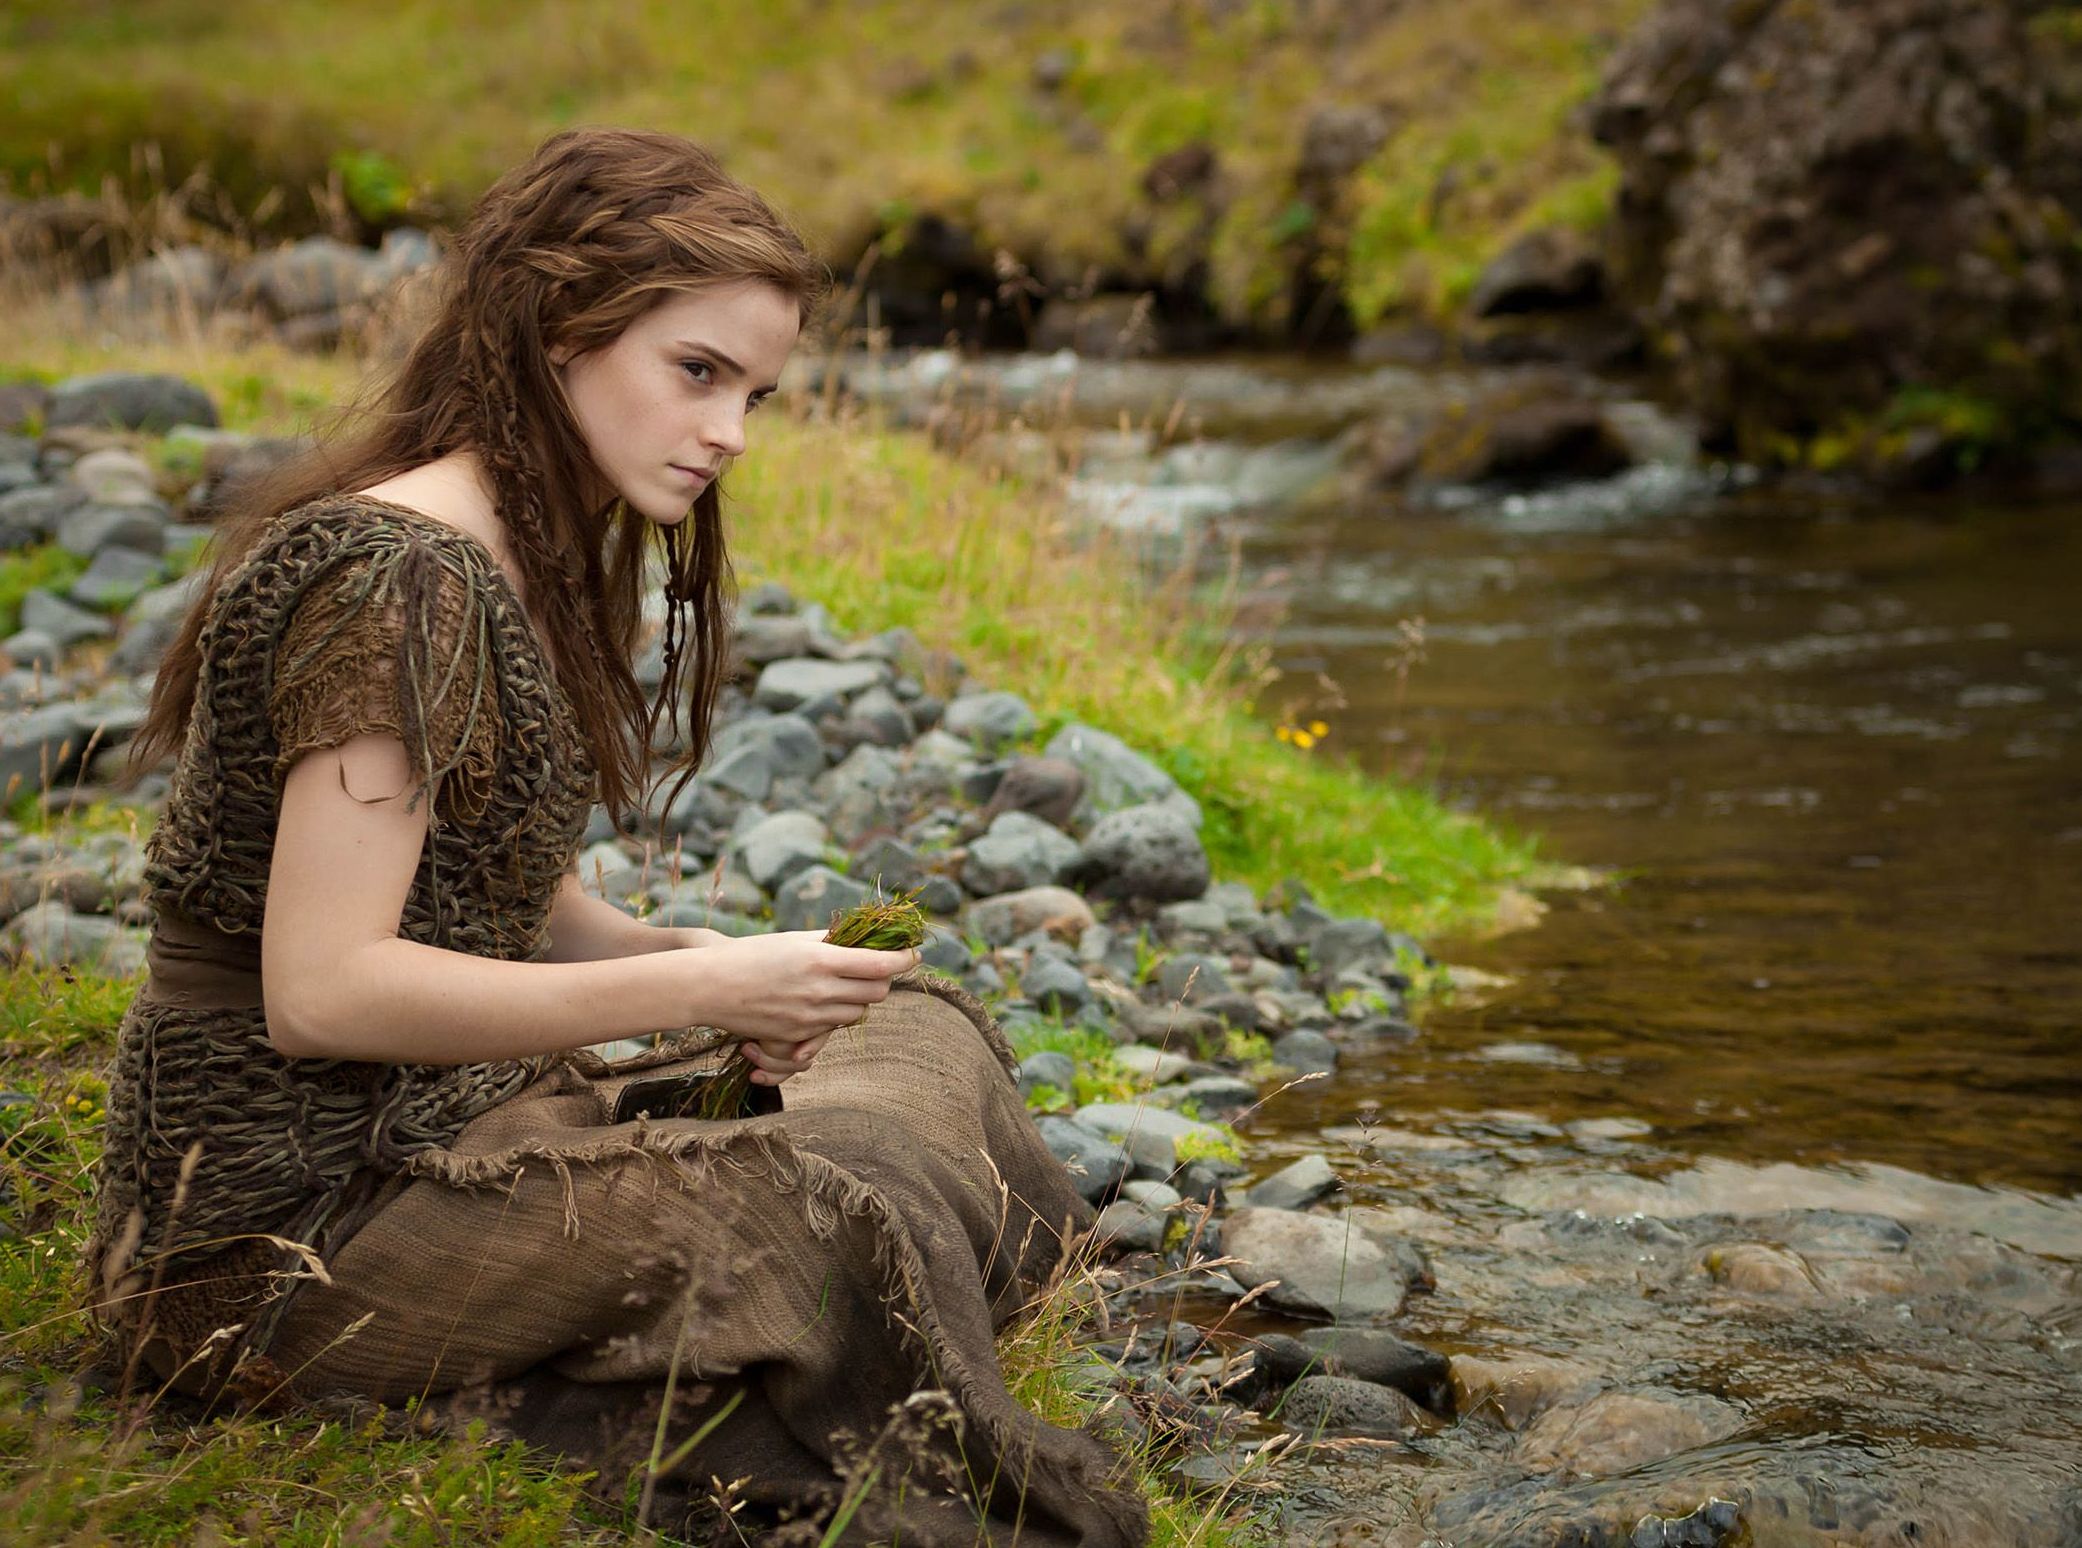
{"x":786,"y":993}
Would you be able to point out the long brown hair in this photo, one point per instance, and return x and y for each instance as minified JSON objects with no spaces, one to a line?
{"x":565,"y":251}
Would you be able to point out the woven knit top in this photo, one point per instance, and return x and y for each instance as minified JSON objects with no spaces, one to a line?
{"x":351,"y":615}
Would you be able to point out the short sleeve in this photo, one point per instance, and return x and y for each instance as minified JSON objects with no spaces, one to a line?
{"x":397,"y":636}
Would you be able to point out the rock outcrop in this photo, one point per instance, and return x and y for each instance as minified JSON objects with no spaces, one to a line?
{"x":1851,"y":224}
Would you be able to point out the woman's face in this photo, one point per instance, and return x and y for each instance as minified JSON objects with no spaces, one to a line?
{"x":662,"y":408}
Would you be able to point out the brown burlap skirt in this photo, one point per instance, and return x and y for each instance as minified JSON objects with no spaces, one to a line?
{"x":820,"y":1287}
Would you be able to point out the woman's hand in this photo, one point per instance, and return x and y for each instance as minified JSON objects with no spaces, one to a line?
{"x":787,"y":993}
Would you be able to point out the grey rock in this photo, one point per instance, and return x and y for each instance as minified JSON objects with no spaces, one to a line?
{"x":1010,"y":915}
{"x":788,"y":684}
{"x":880,"y":718}
{"x":1324,"y":1265}
{"x":938,"y":749}
{"x":33,"y":649}
{"x":1234,"y":1009}
{"x":1222,"y":1096}
{"x":38,"y":509}
{"x":128,"y":400}
{"x":1190,"y":977}
{"x":1376,"y":1355}
{"x":117,"y":577}
{"x":1148,"y":852}
{"x":983,"y":980}
{"x":889,"y":862}
{"x":318,"y":275}
{"x":63,"y":621}
{"x":152,"y":621}
{"x":939,"y":895}
{"x":49,"y":934}
{"x":1317,"y":1404}
{"x":769,"y":597}
{"x":781,"y":845}
{"x":1155,"y":1066}
{"x":1056,"y":986}
{"x":990,"y":720}
{"x":1096,"y":1164}
{"x":39,"y":748}
{"x":113,"y":475}
{"x":1544,"y":271}
{"x":809,"y":899}
{"x":1115,"y":775}
{"x":1015,"y":853}
{"x":88,"y":529}
{"x":1195,"y":916}
{"x":181,"y":280}
{"x":744,"y":770}
{"x":1349,"y":943}
{"x":769,"y":637}
{"x":1295,"y":1186}
{"x":1127,"y":1225}
{"x":1048,"y":788}
{"x":1156,"y":1195}
{"x":788,"y":744}
{"x":1047,"y":1068}
{"x":1306,"y":1052}
{"x":1150,"y":1132}
{"x":946,"y":952}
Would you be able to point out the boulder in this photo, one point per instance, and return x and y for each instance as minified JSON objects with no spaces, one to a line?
{"x":1010,"y":915}
{"x":1550,"y":270}
{"x":1150,"y":853}
{"x":1295,"y":1186}
{"x":1055,"y":986}
{"x":117,"y":577}
{"x":1521,"y":435}
{"x":1323,"y":1265}
{"x":1376,"y":1355}
{"x":1340,"y":1404}
{"x":1127,"y":1225}
{"x":1151,"y":1133}
{"x":1616,"y":1432}
{"x":1047,"y":788}
{"x":786,"y":685}
{"x":39,"y":749}
{"x":315,"y":276}
{"x":49,"y":934}
{"x":1115,"y":775}
{"x":810,"y":899}
{"x":1097,"y":1165}
{"x":128,"y":400}
{"x":89,"y":529}
{"x":776,"y":847}
{"x":66,"y":622}
{"x":992,"y":721}
{"x":1827,"y":210}
{"x":1015,"y":853}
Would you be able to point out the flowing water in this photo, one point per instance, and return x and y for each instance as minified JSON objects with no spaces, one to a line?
{"x":1775,"y":1138}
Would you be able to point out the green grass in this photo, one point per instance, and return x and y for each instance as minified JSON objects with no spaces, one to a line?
{"x":45,"y":565}
{"x":854,"y":118}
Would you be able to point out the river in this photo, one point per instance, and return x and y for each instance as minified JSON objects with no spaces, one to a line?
{"x":1778,"y":1130}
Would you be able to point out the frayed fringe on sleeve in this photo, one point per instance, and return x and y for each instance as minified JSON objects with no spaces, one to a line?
{"x":396,"y":637}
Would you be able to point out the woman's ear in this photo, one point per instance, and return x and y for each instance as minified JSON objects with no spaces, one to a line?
{"x":560,"y":355}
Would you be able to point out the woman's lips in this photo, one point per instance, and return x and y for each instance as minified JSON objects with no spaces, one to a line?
{"x":693,"y":475}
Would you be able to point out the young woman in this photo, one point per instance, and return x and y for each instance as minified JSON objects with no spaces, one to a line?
{"x":354,"y":1144}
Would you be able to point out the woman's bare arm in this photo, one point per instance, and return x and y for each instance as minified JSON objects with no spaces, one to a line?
{"x":583,"y":928}
{"x":339,"y":983}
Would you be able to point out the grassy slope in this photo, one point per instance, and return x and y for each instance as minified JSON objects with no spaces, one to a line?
{"x":856,"y":116}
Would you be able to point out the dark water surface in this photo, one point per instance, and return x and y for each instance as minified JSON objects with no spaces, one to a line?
{"x":1756,"y":1174}
{"x":1836,"y":756}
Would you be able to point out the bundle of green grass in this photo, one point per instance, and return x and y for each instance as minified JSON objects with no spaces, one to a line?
{"x":879,"y":924}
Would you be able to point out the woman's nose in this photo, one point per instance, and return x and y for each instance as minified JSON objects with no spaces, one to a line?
{"x":726,"y":432}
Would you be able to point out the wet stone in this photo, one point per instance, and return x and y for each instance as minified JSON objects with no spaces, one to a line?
{"x":1615,"y":1432}
{"x":1129,"y":1226}
{"x":1376,"y":1355}
{"x":1306,"y":1052}
{"x":1318,"y":1404}
{"x":1295,"y":1186}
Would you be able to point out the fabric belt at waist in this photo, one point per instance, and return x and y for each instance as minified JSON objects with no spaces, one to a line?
{"x":198,"y":967}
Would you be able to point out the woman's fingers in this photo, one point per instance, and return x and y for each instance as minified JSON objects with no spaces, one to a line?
{"x":860,"y":962}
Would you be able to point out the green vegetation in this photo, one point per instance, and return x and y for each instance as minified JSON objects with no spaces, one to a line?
{"x":25,"y":570}
{"x":859,"y":118}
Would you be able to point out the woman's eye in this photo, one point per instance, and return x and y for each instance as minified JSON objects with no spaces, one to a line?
{"x":752,"y":403}
{"x":698,"y":369}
